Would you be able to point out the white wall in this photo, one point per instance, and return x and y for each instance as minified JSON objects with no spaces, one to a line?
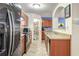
{"x":55,"y":23}
{"x":68,"y":21}
{"x":69,"y":25}
{"x":75,"y":30}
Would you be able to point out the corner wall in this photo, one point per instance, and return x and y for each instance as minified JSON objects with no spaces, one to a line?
{"x":75,"y":30}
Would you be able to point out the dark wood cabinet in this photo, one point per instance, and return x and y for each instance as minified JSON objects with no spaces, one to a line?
{"x":23,"y":44}
{"x":57,"y":47}
{"x":47,"y":23}
{"x":43,"y":35}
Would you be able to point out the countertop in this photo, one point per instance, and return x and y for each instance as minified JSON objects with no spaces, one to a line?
{"x":54,"y":35}
{"x":63,"y":31}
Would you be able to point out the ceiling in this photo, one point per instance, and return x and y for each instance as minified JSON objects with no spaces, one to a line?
{"x":46,"y":9}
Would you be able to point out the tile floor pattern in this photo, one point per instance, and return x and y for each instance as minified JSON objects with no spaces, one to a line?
{"x":37,"y":48}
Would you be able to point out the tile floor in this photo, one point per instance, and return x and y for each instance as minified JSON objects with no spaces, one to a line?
{"x":37,"y":48}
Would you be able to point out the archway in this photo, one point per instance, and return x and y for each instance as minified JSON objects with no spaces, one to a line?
{"x":58,"y":15}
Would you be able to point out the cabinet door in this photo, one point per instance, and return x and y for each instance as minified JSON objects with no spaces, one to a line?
{"x":47,"y":23}
{"x":43,"y":35}
{"x":60,"y":48}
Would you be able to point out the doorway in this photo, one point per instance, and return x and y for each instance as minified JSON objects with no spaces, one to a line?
{"x":36,"y":29}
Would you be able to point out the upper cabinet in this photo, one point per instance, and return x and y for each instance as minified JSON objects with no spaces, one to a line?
{"x":47,"y":22}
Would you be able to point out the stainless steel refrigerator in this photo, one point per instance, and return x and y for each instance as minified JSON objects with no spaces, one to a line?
{"x":9,"y":29}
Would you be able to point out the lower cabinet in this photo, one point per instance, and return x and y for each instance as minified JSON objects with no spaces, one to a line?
{"x":23,"y":44}
{"x":57,"y":47}
{"x":43,"y":35}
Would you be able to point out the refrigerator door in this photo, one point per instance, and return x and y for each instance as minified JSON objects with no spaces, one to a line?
{"x":2,"y":39}
{"x":4,"y":32}
{"x":10,"y":25}
{"x":10,"y":33}
{"x":16,"y":36}
{"x":15,"y":50}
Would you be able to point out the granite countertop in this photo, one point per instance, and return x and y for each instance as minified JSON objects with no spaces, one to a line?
{"x":55,"y":35}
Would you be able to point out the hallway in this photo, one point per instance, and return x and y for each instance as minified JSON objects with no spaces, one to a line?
{"x":37,"y":48}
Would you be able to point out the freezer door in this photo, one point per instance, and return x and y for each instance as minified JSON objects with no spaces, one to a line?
{"x":5,"y":32}
{"x":14,"y":32}
{"x":16,"y":35}
{"x":3,"y":50}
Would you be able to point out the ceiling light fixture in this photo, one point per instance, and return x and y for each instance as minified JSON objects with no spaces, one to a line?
{"x":36,"y":5}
